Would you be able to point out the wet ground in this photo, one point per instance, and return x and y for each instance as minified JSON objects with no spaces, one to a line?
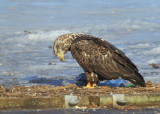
{"x":86,"y":111}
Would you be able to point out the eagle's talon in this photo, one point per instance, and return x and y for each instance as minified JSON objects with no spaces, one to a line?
{"x":90,"y":85}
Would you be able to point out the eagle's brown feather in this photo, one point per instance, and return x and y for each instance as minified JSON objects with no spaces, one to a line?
{"x":104,"y":59}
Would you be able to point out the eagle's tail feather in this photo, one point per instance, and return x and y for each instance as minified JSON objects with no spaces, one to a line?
{"x":138,"y":80}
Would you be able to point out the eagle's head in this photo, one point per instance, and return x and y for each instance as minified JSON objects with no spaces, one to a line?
{"x":63,"y":43}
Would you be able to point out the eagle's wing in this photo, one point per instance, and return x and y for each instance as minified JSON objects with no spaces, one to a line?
{"x":104,"y":59}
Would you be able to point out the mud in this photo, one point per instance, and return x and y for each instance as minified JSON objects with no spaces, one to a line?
{"x":49,"y":91}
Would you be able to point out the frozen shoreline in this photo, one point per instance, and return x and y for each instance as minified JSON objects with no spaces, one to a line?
{"x":29,"y":27}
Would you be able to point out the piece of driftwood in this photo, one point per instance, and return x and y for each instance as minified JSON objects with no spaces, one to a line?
{"x":154,"y":65}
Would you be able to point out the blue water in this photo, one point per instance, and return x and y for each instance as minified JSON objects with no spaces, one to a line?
{"x":28,"y":27}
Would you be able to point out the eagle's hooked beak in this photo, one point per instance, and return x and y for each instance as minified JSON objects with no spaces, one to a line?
{"x":61,"y":56}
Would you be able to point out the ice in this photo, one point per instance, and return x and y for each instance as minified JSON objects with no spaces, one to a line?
{"x":45,"y":36}
{"x":140,"y":45}
{"x":153,"y":51}
{"x":29,"y":27}
{"x":155,"y":60}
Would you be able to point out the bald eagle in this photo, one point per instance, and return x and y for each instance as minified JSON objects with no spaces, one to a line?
{"x":99,"y":59}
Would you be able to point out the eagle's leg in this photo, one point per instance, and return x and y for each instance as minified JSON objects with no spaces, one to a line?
{"x":92,"y":79}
